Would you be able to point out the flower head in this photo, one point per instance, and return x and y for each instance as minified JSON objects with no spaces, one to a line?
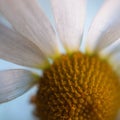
{"x":76,"y":85}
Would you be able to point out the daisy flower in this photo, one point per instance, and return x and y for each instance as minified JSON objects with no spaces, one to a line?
{"x":75,"y":85}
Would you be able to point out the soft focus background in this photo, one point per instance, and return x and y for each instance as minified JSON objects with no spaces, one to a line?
{"x":20,"y":108}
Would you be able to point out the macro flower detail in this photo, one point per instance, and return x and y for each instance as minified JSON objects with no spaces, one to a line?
{"x":75,"y":84}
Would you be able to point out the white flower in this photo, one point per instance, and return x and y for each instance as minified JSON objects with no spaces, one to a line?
{"x":32,"y":40}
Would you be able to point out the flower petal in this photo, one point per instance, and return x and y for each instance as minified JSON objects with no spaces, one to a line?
{"x":14,"y":83}
{"x":112,"y":55}
{"x":115,"y":62}
{"x":18,"y":49}
{"x":69,"y":16}
{"x":111,"y":50}
{"x":105,"y":28}
{"x":29,"y":20}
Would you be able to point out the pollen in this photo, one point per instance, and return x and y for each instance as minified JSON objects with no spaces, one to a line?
{"x":78,"y":87}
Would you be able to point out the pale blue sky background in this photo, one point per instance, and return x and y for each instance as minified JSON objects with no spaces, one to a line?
{"x":20,"y":109}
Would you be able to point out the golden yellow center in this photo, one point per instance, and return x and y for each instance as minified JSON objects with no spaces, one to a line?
{"x":78,"y":87}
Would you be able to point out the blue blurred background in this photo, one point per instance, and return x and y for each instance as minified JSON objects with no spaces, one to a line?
{"x":20,"y":108}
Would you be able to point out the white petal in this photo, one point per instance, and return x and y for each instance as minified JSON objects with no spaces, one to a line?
{"x":5,"y":22}
{"x":112,"y":54}
{"x":17,"y":49}
{"x":115,"y":59}
{"x":28,"y":19}
{"x":111,"y":50}
{"x":105,"y":28}
{"x":115,"y":62}
{"x":14,"y":83}
{"x":69,"y":16}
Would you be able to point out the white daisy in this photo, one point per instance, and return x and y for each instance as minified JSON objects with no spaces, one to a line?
{"x":76,"y":85}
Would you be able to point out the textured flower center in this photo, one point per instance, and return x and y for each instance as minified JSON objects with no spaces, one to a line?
{"x":78,"y":87}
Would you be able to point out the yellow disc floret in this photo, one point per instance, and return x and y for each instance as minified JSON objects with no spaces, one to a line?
{"x":78,"y":87}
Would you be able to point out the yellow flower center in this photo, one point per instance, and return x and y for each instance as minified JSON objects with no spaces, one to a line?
{"x":78,"y":87}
